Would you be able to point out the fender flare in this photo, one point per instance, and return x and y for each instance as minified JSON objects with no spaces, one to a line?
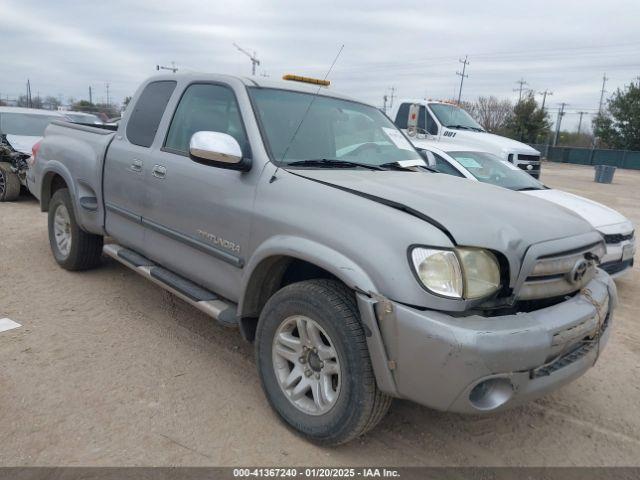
{"x":53,"y":168}
{"x":334,"y":262}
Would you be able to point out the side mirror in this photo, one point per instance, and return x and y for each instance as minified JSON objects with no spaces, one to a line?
{"x":219,"y":150}
{"x":428,"y":157}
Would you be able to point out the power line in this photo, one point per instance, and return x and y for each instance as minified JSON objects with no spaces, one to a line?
{"x":464,"y":63}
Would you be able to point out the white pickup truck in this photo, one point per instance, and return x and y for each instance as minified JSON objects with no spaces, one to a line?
{"x":430,"y":120}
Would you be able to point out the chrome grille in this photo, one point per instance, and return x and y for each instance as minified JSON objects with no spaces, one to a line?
{"x":562,"y":274}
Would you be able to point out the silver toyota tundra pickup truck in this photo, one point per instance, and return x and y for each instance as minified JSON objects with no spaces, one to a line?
{"x":305,"y":218}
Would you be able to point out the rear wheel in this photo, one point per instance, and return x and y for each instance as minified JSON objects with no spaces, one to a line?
{"x":314,"y":363}
{"x":72,"y":247}
{"x":9,"y":183}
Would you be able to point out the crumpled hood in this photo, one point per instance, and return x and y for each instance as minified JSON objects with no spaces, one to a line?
{"x":595,"y":213}
{"x":474,"y":213}
{"x":22,"y":143}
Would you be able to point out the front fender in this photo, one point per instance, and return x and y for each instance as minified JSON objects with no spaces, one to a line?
{"x":307,"y":250}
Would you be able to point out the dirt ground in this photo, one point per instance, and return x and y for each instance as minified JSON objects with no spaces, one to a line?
{"x":108,"y":369}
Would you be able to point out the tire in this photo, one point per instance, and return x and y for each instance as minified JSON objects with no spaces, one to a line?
{"x":85,"y":249}
{"x":9,"y":183}
{"x":358,"y":405}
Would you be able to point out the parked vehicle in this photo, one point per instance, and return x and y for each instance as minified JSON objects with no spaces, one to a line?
{"x":296,"y":214}
{"x":20,"y":129}
{"x":82,"y":117}
{"x":617,"y":230}
{"x":426,"y":120}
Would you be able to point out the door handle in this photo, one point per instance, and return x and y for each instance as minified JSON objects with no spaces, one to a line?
{"x":159,"y":171}
{"x":136,"y":166}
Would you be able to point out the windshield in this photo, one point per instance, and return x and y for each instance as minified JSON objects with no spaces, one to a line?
{"x":454,"y":117}
{"x":83,"y":118}
{"x":332,"y":129}
{"x":25,"y":124}
{"x":490,"y":169}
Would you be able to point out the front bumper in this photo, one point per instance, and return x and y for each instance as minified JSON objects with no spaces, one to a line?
{"x":618,"y":261}
{"x":481,"y":364}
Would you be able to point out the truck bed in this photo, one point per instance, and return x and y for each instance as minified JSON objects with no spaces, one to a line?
{"x":81,"y":149}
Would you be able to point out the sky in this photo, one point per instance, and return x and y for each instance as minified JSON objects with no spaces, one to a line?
{"x":564,"y":46}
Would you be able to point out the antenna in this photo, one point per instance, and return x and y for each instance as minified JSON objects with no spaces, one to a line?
{"x":295,"y":133}
{"x":252,"y":57}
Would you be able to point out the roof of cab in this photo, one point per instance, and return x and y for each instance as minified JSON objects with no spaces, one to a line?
{"x":259,"y":82}
{"x":31,"y":111}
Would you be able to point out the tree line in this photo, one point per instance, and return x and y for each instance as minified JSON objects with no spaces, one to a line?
{"x":616,"y":126}
{"x":52,"y":103}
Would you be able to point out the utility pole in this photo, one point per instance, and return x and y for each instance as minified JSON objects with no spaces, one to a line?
{"x":580,"y":121}
{"x":544,"y":97}
{"x":29,"y":104}
{"x":90,"y":95}
{"x":604,"y":82}
{"x":464,"y":63}
{"x":254,"y":60}
{"x":522,"y":83}
{"x":388,"y":98}
{"x":392,"y":96}
{"x":172,"y":68}
{"x":108,"y":102}
{"x":558,"y":122}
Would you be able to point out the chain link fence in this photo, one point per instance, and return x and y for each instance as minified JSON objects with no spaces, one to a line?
{"x":587,"y":156}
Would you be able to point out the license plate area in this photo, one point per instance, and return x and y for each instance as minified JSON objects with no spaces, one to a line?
{"x":628,"y":251}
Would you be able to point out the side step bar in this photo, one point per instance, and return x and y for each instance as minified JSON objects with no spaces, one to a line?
{"x":208,"y":302}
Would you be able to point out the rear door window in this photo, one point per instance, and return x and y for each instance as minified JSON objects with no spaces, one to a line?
{"x":145,"y":118}
{"x":431,"y":126}
{"x":402,"y":116}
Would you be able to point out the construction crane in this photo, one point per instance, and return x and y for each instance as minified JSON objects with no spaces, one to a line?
{"x":252,"y":57}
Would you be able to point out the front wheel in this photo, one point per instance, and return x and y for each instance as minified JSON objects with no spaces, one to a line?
{"x":72,"y":247}
{"x":314,"y":364}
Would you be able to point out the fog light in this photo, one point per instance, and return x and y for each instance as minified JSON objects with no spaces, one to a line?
{"x":491,"y":394}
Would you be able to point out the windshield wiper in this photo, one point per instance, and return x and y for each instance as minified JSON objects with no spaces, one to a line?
{"x":332,"y":163}
{"x":526,"y":189}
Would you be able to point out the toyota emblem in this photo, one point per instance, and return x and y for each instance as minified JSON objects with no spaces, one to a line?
{"x":578,"y":271}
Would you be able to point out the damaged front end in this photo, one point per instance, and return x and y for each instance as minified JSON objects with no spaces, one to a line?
{"x":13,"y":170}
{"x":16,"y":159}
{"x":550,"y":331}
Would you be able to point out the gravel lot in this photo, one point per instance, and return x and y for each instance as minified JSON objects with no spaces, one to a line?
{"x":108,"y":369}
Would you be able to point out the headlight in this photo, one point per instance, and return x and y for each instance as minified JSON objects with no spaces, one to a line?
{"x":439,"y":271}
{"x":461,"y":273}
